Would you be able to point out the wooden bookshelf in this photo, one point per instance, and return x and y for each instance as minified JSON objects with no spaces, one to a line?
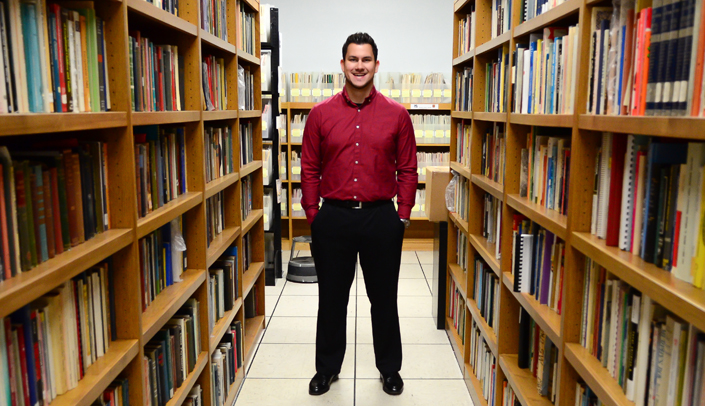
{"x":464,"y":58}
{"x":249,"y":277}
{"x":487,"y":251}
{"x":672,"y":127}
{"x":460,"y":223}
{"x":222,"y":325}
{"x":134,"y":328}
{"x":460,"y":279}
{"x":488,"y":185}
{"x":467,"y":115}
{"x":253,"y":328}
{"x":463,"y":170}
{"x":456,"y":340}
{"x":542,"y":120}
{"x":487,"y":116}
{"x":475,"y":387}
{"x":595,"y":375}
{"x":546,"y":218}
{"x":521,"y":380}
{"x":485,"y":329}
{"x":547,"y":319}
{"x":548,"y":18}
{"x":494,"y":43}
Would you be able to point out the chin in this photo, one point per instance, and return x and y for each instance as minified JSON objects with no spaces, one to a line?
{"x":363,"y":86}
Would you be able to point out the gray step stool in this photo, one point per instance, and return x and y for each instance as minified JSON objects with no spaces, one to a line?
{"x":301,"y":269}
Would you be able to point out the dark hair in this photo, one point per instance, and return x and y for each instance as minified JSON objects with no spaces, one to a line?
{"x":360,"y":38}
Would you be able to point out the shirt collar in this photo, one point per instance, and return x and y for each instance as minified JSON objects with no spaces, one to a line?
{"x":367,"y":101}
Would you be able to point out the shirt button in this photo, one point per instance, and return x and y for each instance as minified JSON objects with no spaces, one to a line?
{"x":355,"y":179}
{"x":357,"y":144}
{"x":355,"y":162}
{"x":354,"y":197}
{"x":358,"y":110}
{"x":357,"y":126}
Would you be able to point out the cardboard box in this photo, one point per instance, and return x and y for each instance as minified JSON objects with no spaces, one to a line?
{"x":437,"y":178}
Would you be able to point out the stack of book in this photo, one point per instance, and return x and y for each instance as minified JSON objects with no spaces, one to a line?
{"x":538,"y":262}
{"x":648,"y":200}
{"x":462,"y":197}
{"x":647,"y":60}
{"x":171,"y":354}
{"x":545,"y":72}
{"x":267,"y":165}
{"x":49,"y":344}
{"x":539,"y":354}
{"x":215,"y":89}
{"x":54,"y":197}
{"x":215,"y":216}
{"x":252,"y":302}
{"x":466,"y":32}
{"x":483,"y":363}
{"x":246,"y":198}
{"x":426,"y":159}
{"x":650,"y":353}
{"x":431,"y":128}
{"x":224,"y":367}
{"x":501,"y":17}
{"x":160,"y":164}
{"x":172,"y":6}
{"x":463,"y":89}
{"x":493,"y":154}
{"x":246,"y":254}
{"x":492,"y":222}
{"x":246,"y":95}
{"x":223,"y":286}
{"x":247,"y":149}
{"x":156,"y":77}
{"x":162,"y":256}
{"x":54,"y":59}
{"x":295,"y":165}
{"x":220,"y":160}
{"x":584,"y":396}
{"x":456,"y":309}
{"x":533,"y":8}
{"x":246,"y":23}
{"x":486,"y":293}
{"x":237,"y":340}
{"x":509,"y":398}
{"x":195,"y":396}
{"x":545,"y":170}
{"x":462,"y":147}
{"x":461,"y":251}
{"x":116,"y":394}
{"x":214,"y":18}
{"x":497,"y":75}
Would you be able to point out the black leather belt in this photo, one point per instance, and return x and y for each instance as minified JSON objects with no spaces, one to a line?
{"x":351,"y":204}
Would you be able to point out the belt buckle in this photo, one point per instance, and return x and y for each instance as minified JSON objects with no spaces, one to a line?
{"x":358,"y":206}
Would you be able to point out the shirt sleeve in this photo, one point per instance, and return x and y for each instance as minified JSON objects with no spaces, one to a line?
{"x":407,"y":175}
{"x":311,"y":165}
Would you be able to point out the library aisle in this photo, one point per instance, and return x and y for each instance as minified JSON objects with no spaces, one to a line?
{"x":284,"y":362}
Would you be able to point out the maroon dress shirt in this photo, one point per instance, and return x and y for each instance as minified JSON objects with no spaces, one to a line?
{"x":363,"y":153}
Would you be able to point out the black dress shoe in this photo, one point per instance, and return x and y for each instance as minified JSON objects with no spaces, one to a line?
{"x":392,"y":383}
{"x":320,"y":383}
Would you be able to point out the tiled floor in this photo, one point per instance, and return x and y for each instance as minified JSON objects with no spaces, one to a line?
{"x":284,"y":361}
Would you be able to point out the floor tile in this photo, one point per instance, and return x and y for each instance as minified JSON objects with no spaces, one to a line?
{"x":422,"y":361}
{"x":410,"y":271}
{"x":304,"y":306}
{"x":294,"y":361}
{"x":409,"y":306}
{"x":409,"y":257}
{"x":277,"y":288}
{"x":417,"y":392}
{"x":293,"y":392}
{"x":269,"y":304}
{"x":407,"y":287}
{"x":425,"y":257}
{"x":300,"y":289}
{"x":299,"y":330}
{"x":414,"y":330}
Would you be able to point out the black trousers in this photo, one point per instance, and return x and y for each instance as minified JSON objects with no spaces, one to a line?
{"x":339,"y":235}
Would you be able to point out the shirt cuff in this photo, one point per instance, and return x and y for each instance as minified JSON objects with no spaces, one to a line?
{"x":310,"y":215}
{"x":404,"y":211}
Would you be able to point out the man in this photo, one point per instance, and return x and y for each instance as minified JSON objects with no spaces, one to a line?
{"x":358,"y":152}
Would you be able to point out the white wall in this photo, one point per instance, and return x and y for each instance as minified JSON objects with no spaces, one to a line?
{"x":411,"y":35}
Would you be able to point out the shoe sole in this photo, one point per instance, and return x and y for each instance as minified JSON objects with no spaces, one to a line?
{"x":389,"y":392}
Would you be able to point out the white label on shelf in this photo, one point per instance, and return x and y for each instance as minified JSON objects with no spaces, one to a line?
{"x":429,"y":133}
{"x":416,"y":207}
{"x":405,"y":93}
{"x":427,"y":93}
{"x":296,"y":170}
{"x":336,"y":91}
{"x":316,"y":92}
{"x":385,"y":92}
{"x":396,"y":93}
{"x":305,"y":92}
{"x":296,"y":207}
{"x":418,"y":133}
{"x":440,"y":133}
{"x":446,"y":93}
{"x":418,"y":106}
{"x":328,"y":92}
{"x":296,"y":132}
{"x":295,"y":92}
{"x":447,"y":133}
{"x":423,"y":171}
{"x":264,"y":125}
{"x":437,"y":92}
{"x":416,"y":93}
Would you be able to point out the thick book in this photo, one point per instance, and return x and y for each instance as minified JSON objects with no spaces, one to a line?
{"x":618,"y":151}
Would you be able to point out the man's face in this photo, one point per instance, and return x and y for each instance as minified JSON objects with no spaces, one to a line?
{"x":359,"y":65}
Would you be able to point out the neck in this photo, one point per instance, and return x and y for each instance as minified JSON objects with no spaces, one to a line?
{"x":358,"y":95}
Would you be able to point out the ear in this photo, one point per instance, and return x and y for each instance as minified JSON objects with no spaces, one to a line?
{"x":376,"y":66}
{"x":342,"y":65}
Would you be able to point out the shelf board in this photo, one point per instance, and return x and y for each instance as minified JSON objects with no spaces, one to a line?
{"x":298,"y":217}
{"x":101,"y":374}
{"x":487,"y":116}
{"x":548,"y":18}
{"x":249,"y":113}
{"x":464,"y":58}
{"x":421,"y":145}
{"x":474,"y":387}
{"x":249,"y":277}
{"x":182,"y":391}
{"x":251,"y":220}
{"x":422,"y":106}
{"x":298,"y":105}
{"x":253,"y":328}
{"x":30,"y":285}
{"x":254,"y":4}
{"x":249,"y":168}
{"x":547,"y":319}
{"x":163,"y":17}
{"x":460,"y":4}
{"x":216,"y":42}
{"x":595,"y":376}
{"x":493,"y":43}
{"x":677,"y":127}
{"x":489,"y":186}
{"x":219,"y":115}
{"x":463,"y":170}
{"x":487,"y":251}
{"x":460,"y":223}
{"x":460,"y":279}
{"x":168,"y":212}
{"x":164,"y":117}
{"x":222,"y":325}
{"x":455,"y":340}
{"x":521,"y":380}
{"x":551,"y":220}
{"x":215,"y":186}
{"x":220,"y":243}
{"x":247,"y":57}
{"x":36,"y":123}
{"x":461,"y":114}
{"x":169,"y":301}
{"x":235,"y":387}
{"x":485,"y":329}
{"x":676,"y":295}
{"x":542,"y":120}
